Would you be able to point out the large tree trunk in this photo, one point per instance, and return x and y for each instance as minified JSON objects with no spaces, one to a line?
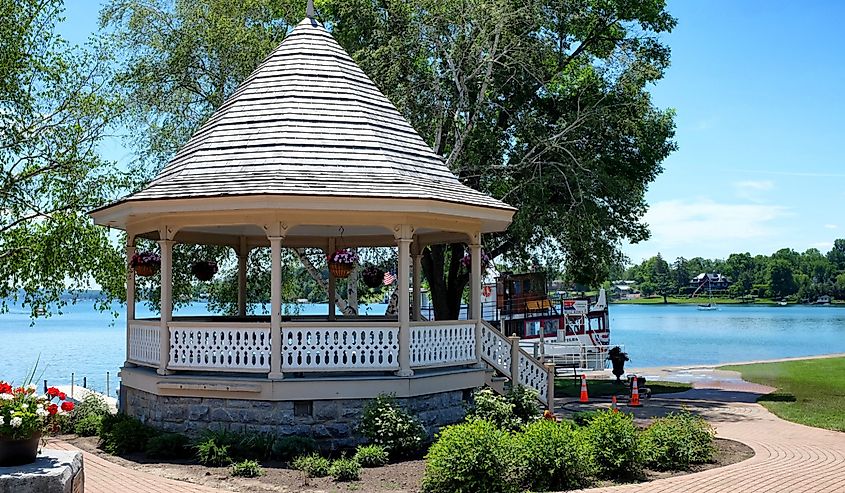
{"x":446,"y":278}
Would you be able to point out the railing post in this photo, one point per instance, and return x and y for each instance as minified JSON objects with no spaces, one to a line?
{"x":276,"y":308}
{"x":479,"y":348}
{"x":514,"y":340}
{"x":550,"y":392}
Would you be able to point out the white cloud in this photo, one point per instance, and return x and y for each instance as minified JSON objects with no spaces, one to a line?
{"x":831,"y":226}
{"x":702,"y":226}
{"x":752,"y":191}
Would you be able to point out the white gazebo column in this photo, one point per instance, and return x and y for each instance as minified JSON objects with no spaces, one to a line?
{"x":417,"y":280}
{"x":166,"y":303}
{"x":243,"y":255}
{"x":130,"y":291}
{"x":474,"y":311}
{"x":276,"y":308}
{"x":475,"y":291}
{"x":404,"y":237}
{"x":332,"y":294}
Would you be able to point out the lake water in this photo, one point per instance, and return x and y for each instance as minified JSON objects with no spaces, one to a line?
{"x":89,"y":343}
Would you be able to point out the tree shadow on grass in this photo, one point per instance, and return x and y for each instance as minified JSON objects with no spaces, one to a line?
{"x":777,"y":397}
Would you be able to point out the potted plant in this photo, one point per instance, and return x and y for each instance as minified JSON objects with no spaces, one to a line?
{"x":146,"y":264}
{"x":373,"y":276}
{"x":204,"y":270}
{"x":341,"y":262}
{"x":618,"y":358}
{"x":24,"y":417}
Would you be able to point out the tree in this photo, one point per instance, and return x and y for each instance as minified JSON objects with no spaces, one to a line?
{"x":782,"y":281}
{"x":543,"y":104}
{"x":836,"y":255}
{"x":52,"y":116}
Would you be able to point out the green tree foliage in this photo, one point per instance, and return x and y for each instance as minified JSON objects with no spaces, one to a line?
{"x":53,"y":114}
{"x":543,"y":104}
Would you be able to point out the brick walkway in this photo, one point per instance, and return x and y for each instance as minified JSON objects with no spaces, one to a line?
{"x":789,"y":458}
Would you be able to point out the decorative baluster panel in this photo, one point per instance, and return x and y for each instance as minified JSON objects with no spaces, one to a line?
{"x":232,"y":349}
{"x":442,"y":345}
{"x":496,"y":350}
{"x":144,"y":344}
{"x":340,"y":348}
{"x":533,"y":375}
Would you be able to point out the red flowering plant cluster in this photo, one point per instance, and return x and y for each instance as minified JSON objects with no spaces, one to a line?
{"x":151,"y":259}
{"x":25,"y":414}
{"x":343,"y":256}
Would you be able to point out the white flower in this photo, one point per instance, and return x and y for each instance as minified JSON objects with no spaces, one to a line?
{"x":16,"y":422}
{"x":2,"y":421}
{"x":31,"y":386}
{"x":24,"y":406}
{"x":6,"y":397}
{"x":41,"y":412}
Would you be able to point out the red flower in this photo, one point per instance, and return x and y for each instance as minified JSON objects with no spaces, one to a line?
{"x":53,"y":392}
{"x":5,"y":388}
{"x":20,"y":390}
{"x":62,"y":396}
{"x":67,"y":406}
{"x":52,"y":409}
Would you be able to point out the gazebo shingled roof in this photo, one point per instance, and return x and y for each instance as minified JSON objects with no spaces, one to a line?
{"x":309,"y":122}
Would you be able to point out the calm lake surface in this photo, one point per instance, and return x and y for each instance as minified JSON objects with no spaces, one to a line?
{"x":89,"y":343}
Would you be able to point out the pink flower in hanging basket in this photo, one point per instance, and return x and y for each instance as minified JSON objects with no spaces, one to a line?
{"x":343,"y":256}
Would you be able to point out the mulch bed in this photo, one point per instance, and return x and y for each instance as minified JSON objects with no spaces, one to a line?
{"x":404,"y":477}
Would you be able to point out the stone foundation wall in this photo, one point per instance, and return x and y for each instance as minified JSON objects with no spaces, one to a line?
{"x":331,"y":422}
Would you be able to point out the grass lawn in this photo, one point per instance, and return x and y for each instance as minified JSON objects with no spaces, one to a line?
{"x":678,"y":300}
{"x":810,"y":392}
{"x":567,"y":387}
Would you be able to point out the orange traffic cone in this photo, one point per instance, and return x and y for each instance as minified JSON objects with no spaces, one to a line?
{"x":635,"y":394}
{"x":584,"y":397}
{"x":613,"y":404}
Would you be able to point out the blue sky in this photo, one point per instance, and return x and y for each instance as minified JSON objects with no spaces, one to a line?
{"x":758,"y":90}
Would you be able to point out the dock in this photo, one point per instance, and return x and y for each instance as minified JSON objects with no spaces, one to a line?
{"x":77,"y":393}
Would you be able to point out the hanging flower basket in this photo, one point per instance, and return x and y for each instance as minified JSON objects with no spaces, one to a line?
{"x":341,"y":262}
{"x":24,"y":417}
{"x":204,"y":270}
{"x":373,"y":276}
{"x":146,"y":264}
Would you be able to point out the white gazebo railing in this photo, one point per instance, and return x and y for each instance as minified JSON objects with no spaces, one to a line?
{"x":436,"y":344}
{"x":334,"y":346}
{"x":219,"y":346}
{"x":144,"y":342}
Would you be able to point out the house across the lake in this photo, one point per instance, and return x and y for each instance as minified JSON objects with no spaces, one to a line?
{"x":712,"y":281}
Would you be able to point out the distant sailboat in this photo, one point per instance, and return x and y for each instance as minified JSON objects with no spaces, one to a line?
{"x":710,"y":305}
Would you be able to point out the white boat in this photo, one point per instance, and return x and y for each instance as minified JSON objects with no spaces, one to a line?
{"x":708,"y":307}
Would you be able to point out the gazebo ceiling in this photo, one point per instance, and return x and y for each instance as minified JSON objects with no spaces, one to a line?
{"x":306,"y":126}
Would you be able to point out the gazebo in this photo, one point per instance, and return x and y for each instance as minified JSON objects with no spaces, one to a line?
{"x":308,"y":153}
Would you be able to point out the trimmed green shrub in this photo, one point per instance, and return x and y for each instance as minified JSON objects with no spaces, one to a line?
{"x":372,"y":456}
{"x":471,"y":457}
{"x":677,"y":441}
{"x":385,"y":423}
{"x":313,"y":465}
{"x":344,"y":469}
{"x":213,"y":454}
{"x":91,"y":408}
{"x":88,"y":426}
{"x":494,"y":408}
{"x":552,"y":456}
{"x":524,"y":402}
{"x":286,"y":448}
{"x":247,"y":469}
{"x":168,"y":446}
{"x":122,"y":434}
{"x":583,"y":418}
{"x":612,"y":437}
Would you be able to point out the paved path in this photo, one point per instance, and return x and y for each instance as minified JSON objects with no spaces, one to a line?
{"x":102,"y":476}
{"x":789,"y":458}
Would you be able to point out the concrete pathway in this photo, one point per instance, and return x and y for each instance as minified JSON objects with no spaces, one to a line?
{"x":789,"y":458}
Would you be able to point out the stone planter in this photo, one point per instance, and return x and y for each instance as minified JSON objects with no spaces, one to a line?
{"x":18,"y":452}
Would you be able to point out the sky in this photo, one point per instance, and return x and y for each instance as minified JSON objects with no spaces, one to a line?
{"x":757,"y":86}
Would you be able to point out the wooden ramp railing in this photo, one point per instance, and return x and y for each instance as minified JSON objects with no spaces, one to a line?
{"x":504,"y":355}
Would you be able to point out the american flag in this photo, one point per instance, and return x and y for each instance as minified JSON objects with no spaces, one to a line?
{"x":389,"y":278}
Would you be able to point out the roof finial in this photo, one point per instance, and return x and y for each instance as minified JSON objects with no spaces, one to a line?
{"x":309,"y":10}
